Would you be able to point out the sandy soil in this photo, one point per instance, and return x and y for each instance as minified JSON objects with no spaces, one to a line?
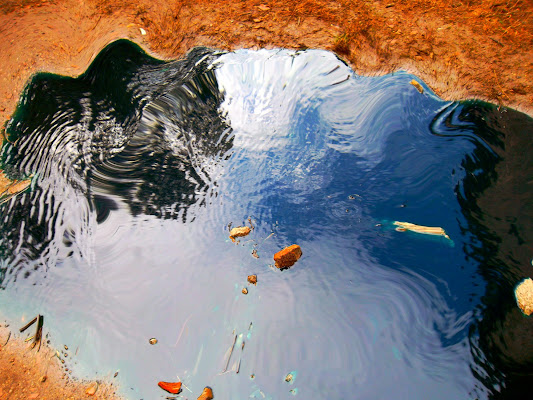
{"x":26,"y":373}
{"x":461,"y":48}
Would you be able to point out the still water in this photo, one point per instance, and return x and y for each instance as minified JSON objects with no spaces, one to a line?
{"x":139,"y":166}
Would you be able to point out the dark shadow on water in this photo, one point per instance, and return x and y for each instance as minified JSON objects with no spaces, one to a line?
{"x":131,"y":128}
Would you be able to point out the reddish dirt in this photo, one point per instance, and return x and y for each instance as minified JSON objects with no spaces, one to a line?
{"x":461,"y":48}
{"x":26,"y":373}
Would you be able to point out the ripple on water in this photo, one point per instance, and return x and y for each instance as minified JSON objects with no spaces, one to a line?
{"x":140,"y":165}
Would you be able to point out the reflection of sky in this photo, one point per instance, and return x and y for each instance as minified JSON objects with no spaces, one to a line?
{"x":366,"y":313}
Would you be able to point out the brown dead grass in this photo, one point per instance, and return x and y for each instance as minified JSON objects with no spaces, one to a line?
{"x":468,"y":48}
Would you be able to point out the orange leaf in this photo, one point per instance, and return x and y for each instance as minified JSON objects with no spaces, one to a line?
{"x":171,"y":387}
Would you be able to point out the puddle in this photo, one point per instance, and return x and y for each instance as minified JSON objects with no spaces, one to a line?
{"x":138,"y":168}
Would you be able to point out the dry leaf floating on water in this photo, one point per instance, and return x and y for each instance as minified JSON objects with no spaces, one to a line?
{"x":239,"y":231}
{"x":171,"y":387}
{"x":417,"y":85}
{"x":426,"y":230}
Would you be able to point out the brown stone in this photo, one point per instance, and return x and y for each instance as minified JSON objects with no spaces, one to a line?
{"x":207,"y":394}
{"x":244,"y":291}
{"x":252,"y":279}
{"x":288,"y":256}
{"x":524,"y":296}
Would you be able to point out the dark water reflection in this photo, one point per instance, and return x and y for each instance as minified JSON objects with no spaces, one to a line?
{"x":140,"y":165}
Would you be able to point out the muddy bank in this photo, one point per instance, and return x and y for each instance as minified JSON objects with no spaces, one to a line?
{"x":28,"y":372}
{"x":462,"y":49}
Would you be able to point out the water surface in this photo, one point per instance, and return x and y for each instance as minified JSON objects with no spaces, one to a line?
{"x":140,"y":165}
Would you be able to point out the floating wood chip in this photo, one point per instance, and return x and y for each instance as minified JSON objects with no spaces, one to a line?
{"x":244,"y":291}
{"x":288,"y":256}
{"x":524,"y":296}
{"x":252,"y":279}
{"x":207,"y":394}
{"x":426,"y":230}
{"x":417,"y":85}
{"x":28,"y":324}
{"x":171,"y":387}
{"x":239,"y":232}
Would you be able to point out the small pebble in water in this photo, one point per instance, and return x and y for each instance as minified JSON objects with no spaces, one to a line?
{"x":153,"y":340}
{"x":66,"y":347}
{"x":524,"y":296}
{"x":239,"y":231}
{"x":207,"y":394}
{"x":252,"y":279}
{"x":288,"y":256}
{"x":289,"y":378}
{"x":244,"y":291}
